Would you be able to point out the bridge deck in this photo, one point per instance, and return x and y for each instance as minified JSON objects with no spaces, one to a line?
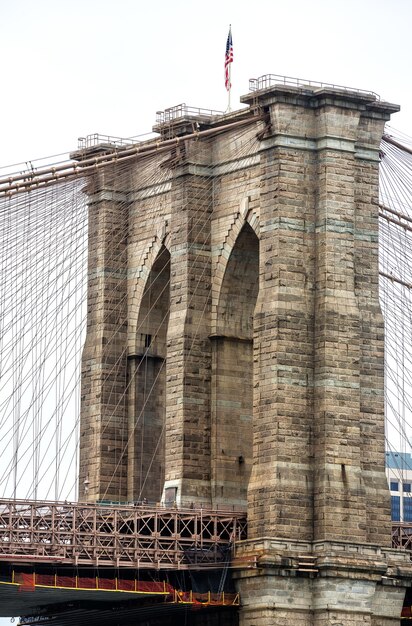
{"x":93,"y":535}
{"x":117,"y":536}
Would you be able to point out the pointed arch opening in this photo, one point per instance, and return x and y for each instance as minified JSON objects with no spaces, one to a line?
{"x":232,"y":371}
{"x":147,"y":386}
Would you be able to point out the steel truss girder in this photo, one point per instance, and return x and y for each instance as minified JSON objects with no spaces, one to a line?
{"x":117,"y":536}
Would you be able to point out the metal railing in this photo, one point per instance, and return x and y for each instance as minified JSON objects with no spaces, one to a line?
{"x":268,"y":80}
{"x":183,"y":110}
{"x":117,"y":536}
{"x":97,"y":139}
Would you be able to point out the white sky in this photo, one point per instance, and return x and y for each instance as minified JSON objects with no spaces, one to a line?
{"x":71,"y":68}
{"x":75,"y":67}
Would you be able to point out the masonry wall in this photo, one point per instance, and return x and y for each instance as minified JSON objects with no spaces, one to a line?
{"x":103,"y":432}
{"x":265,"y":318}
{"x":281,"y":487}
{"x":318,"y":465}
{"x":250,"y":369}
{"x":372,"y":345}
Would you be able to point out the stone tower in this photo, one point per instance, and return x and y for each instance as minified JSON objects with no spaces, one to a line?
{"x":235,"y":347}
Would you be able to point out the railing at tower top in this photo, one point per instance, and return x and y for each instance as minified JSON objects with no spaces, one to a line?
{"x":117,"y":536}
{"x":269,"y":80}
{"x":183,"y":110}
{"x":97,"y":139}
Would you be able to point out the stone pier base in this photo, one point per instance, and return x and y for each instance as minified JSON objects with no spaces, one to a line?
{"x":320,"y":584}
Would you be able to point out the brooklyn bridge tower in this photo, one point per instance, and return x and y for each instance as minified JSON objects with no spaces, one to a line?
{"x":234,"y":352}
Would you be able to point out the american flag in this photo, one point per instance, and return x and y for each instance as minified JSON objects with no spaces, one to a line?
{"x":228,"y":59}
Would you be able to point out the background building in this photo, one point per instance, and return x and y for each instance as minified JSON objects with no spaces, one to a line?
{"x":399,"y":473}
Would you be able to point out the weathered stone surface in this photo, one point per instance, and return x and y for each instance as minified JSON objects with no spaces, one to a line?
{"x":234,"y":353}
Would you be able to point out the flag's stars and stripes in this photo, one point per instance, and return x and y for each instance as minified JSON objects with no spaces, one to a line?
{"x":228,"y":59}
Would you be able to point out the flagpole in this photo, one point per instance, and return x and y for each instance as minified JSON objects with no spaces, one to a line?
{"x":230,"y":87}
{"x":228,"y":63}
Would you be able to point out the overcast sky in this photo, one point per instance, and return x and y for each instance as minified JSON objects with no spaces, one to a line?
{"x":75,"y":67}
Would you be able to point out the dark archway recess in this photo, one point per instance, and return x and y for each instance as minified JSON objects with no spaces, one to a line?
{"x":232,"y":370}
{"x":146,"y":387}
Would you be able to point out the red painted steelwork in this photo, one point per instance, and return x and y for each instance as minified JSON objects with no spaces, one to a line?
{"x":117,"y":536}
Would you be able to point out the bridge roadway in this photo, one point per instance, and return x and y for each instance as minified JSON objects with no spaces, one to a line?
{"x":60,"y":539}
{"x":120,"y":536}
{"x":126,"y":536}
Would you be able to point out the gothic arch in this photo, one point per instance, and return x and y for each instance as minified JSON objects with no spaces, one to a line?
{"x":147,"y":385}
{"x":232,"y":370}
{"x":245,"y":215}
{"x":139,"y":281}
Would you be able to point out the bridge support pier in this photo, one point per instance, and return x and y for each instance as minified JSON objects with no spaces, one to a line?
{"x":187,"y":460}
{"x":318,"y":552}
{"x":103,"y":432}
{"x":334,"y":585}
{"x":270,"y":283}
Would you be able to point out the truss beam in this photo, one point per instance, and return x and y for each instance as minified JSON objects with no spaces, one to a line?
{"x":99,"y":535}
